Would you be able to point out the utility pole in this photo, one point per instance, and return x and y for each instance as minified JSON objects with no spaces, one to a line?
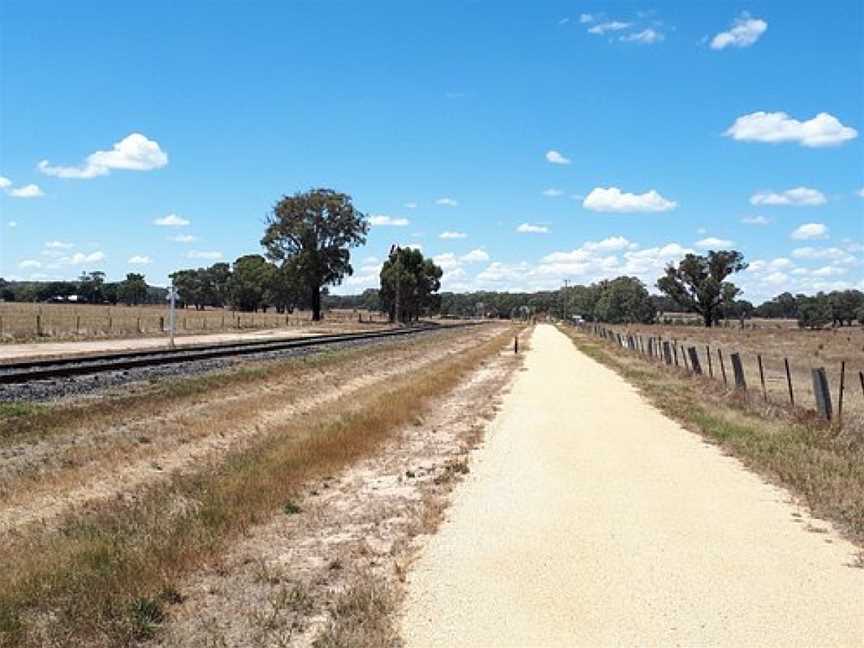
{"x":172,"y":314}
{"x":566,"y":297}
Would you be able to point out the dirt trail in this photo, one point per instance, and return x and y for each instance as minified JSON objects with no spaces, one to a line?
{"x":591,"y":519}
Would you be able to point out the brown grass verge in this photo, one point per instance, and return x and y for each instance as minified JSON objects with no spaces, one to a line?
{"x":794,"y":449}
{"x":106,"y":577}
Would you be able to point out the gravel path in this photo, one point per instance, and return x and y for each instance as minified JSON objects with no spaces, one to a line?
{"x":591,"y":519}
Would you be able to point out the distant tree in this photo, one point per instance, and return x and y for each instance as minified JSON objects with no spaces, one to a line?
{"x":624,"y":300}
{"x":370,"y":300}
{"x":739,"y":309}
{"x":250,"y":278}
{"x":218,"y":276}
{"x":315,"y":231}
{"x":814,"y":312}
{"x":284,"y":289}
{"x":132,"y":290}
{"x":845,"y":305}
{"x":409,"y":283}
{"x":698,"y":283}
{"x":90,"y":287}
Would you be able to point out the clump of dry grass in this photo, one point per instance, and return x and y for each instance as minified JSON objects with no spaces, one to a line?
{"x":362,"y":616}
{"x":825,"y":468}
{"x":79,"y":585}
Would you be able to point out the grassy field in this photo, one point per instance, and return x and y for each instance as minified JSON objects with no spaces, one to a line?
{"x":804,"y":350}
{"x":20,"y":322}
{"x":105,"y":573}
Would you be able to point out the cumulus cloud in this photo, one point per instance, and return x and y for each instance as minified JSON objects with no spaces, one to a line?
{"x":744,"y":32}
{"x":5,"y":182}
{"x":612,"y":199}
{"x":447,"y":202}
{"x":171,"y":220}
{"x":27,"y":191}
{"x":778,"y":127}
{"x":552,"y":193}
{"x":797,"y":197}
{"x":712,"y":243}
{"x":586,"y":18}
{"x":610,"y":26}
{"x":810,"y":231}
{"x":554,"y":157}
{"x":80,"y":258}
{"x":860,"y":192}
{"x":647,"y":36}
{"x":133,"y":153}
{"x":475,"y":256}
{"x":380,"y":220}
{"x":755,"y":220}
{"x":834,"y":254}
{"x":139,"y":260}
{"x":528,"y":228}
{"x":204,"y":254}
{"x":452,"y":235}
{"x":12,"y":224}
{"x":183,"y":238}
{"x":29,"y":263}
{"x":59,"y":245}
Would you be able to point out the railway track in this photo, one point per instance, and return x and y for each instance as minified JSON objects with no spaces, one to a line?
{"x":33,"y":370}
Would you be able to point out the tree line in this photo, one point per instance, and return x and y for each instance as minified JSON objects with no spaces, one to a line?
{"x":307,"y":241}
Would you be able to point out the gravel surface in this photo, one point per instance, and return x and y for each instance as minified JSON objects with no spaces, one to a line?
{"x":590,"y":519}
{"x":85,"y":385}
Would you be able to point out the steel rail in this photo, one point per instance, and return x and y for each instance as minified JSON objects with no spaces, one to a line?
{"x":28,"y":371}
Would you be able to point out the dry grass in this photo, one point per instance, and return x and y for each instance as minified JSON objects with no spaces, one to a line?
{"x":109,"y":573}
{"x":362,"y":616}
{"x":794,"y":449}
{"x":29,"y":322}
{"x":804,"y":350}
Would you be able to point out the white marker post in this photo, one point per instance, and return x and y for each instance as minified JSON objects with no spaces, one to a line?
{"x":172,"y":316}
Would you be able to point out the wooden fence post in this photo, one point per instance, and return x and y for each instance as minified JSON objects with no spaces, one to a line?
{"x":822,"y":392}
{"x":38,"y":325}
{"x":694,"y":361}
{"x":710,"y":366}
{"x":722,"y":366}
{"x":789,"y":382}
{"x":840,"y":397}
{"x":738,"y":370}
{"x":675,"y":351}
{"x":762,"y":377}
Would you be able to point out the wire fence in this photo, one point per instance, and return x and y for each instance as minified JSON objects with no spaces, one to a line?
{"x":29,"y":321}
{"x":833,"y":392}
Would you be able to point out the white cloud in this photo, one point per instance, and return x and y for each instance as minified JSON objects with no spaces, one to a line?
{"x":475,"y":256}
{"x":828,"y":271}
{"x":552,"y":193}
{"x":12,"y":224}
{"x":452,"y":235}
{"x":614,"y":200}
{"x":610,"y":26}
{"x":645,"y":37}
{"x":744,"y":32}
{"x":199,"y":254}
{"x":810,"y":231}
{"x":58,"y":245}
{"x":777,"y":127}
{"x":380,"y":220}
{"x":411,"y":205}
{"x":860,"y":192}
{"x":27,"y":191}
{"x":133,"y":153}
{"x":29,"y":263}
{"x":139,"y":260}
{"x":834,"y":254}
{"x":182,"y":238}
{"x":797,"y":197}
{"x":586,"y":18}
{"x":447,"y":202}
{"x":5,"y":182}
{"x":554,"y":157}
{"x":755,"y":220}
{"x":528,"y":228}
{"x":79,"y":258}
{"x":446,"y":261}
{"x":712,"y":243}
{"x":171,"y":220}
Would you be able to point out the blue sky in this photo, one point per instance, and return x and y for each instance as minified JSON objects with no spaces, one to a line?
{"x":550,"y":141}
